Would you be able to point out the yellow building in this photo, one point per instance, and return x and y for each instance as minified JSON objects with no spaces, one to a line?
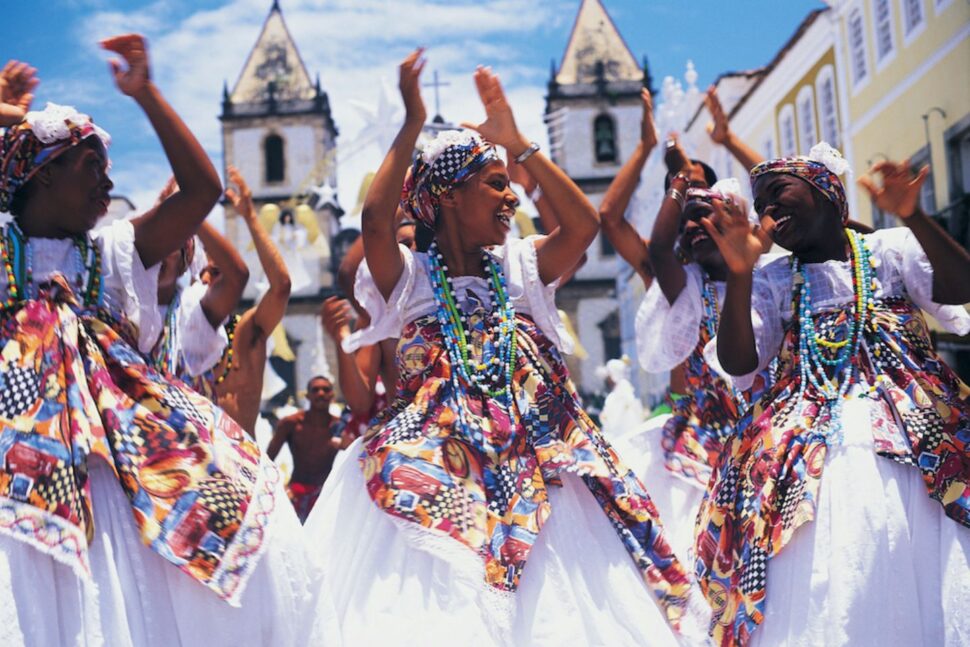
{"x":907,"y":88}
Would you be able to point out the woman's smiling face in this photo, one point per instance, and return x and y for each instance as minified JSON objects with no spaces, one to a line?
{"x":793,"y":213}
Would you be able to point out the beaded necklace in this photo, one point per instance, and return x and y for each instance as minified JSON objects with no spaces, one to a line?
{"x":228,"y":353}
{"x":492,"y":375}
{"x":712,"y":319}
{"x":833,"y":375}
{"x":166,"y":355}
{"x":17,"y":256}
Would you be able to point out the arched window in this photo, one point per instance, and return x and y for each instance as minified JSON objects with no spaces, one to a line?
{"x":828,"y":112}
{"x":604,"y":138}
{"x":788,"y":145}
{"x":807,"y":132}
{"x":274,"y":159}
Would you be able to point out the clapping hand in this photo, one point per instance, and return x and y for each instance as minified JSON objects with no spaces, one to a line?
{"x":134,"y":50}
{"x":499,"y":126}
{"x":718,"y":129}
{"x":741,"y":243}
{"x":242,"y":196}
{"x":899,"y":193}
{"x":335,"y":315}
{"x":409,"y":83}
{"x":648,"y":129}
{"x":17,"y":83}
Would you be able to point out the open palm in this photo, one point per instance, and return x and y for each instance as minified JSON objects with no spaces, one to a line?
{"x":900,"y":189}
{"x":134,"y":50}
{"x":499,"y":125}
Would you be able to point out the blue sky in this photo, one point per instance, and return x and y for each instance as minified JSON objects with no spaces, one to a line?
{"x":353,"y":44}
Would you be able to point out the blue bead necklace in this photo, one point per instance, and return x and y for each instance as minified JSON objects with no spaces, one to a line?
{"x":491,"y":375}
{"x":834,"y":373}
{"x":712,"y":320}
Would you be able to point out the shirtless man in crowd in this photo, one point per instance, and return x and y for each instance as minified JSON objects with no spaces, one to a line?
{"x":239,"y":374}
{"x":309,"y":436}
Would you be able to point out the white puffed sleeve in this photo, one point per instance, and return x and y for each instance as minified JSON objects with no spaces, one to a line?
{"x":386,"y":317}
{"x":522,"y":273}
{"x":200,"y":345}
{"x":770,"y":293}
{"x":129,"y":286}
{"x":667,"y":333}
{"x":899,"y":248}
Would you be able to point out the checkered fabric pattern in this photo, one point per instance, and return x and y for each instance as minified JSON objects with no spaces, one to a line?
{"x":19,"y":388}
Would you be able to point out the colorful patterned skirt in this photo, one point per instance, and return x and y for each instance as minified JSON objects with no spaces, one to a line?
{"x":881,"y":562}
{"x":111,"y":471}
{"x":452,"y":520}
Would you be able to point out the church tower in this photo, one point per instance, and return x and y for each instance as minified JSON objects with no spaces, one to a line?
{"x":593,"y":112}
{"x":277,"y":129}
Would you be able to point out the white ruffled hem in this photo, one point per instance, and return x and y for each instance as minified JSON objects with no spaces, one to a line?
{"x":139,"y":599}
{"x":881,"y":564}
{"x":391,"y":578}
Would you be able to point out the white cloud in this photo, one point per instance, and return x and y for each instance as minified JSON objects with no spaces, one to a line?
{"x":351,"y":43}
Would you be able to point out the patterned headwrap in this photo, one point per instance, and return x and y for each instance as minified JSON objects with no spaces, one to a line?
{"x":821,"y":168}
{"x":40,"y":138}
{"x":450,"y":159}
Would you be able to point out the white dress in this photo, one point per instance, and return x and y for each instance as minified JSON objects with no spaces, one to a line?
{"x":881,"y":564}
{"x":397,"y":583}
{"x":133,"y":596}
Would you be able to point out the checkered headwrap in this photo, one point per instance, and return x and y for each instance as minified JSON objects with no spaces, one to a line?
{"x":450,"y":159}
{"x":40,"y":138}
{"x":816,"y":173}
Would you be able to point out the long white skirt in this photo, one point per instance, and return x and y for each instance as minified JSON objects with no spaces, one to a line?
{"x":139,"y":599}
{"x":880,"y":565}
{"x":396,"y":584}
{"x":677,"y":499}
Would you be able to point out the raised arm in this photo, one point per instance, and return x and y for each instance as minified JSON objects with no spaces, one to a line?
{"x":378,"y":227}
{"x":560,"y":250}
{"x":272,"y":306}
{"x":899,"y":194}
{"x":225,"y":286}
{"x":358,"y":371}
{"x":281,"y":435}
{"x":667,"y":267}
{"x":720,"y":132}
{"x":617,"y":229}
{"x":741,"y":245}
{"x":17,"y":83}
{"x":167,"y":226}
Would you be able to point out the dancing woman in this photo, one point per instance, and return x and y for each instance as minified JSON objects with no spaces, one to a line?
{"x":115,"y":477}
{"x":863,"y":422}
{"x":485,"y":443}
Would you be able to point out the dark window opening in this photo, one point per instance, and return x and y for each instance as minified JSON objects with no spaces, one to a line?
{"x":275,"y":164}
{"x":604,"y":134}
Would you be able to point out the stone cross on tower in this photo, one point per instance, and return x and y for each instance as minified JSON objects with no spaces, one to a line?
{"x":437,"y":85}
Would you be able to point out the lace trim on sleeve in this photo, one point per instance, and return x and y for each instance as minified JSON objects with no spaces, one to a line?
{"x":201,"y":345}
{"x":386,"y":317}
{"x":667,"y":333}
{"x":523,"y":267}
{"x":130,"y":287}
{"x":899,"y":248}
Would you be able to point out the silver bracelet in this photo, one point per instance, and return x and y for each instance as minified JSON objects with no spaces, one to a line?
{"x":527,"y":153}
{"x":676,"y":196}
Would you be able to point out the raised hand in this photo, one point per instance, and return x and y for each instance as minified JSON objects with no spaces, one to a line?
{"x":242,"y":196}
{"x":719,"y":130}
{"x":17,"y":83}
{"x":335,"y":315}
{"x":899,"y":192}
{"x":675,"y":157}
{"x":648,"y":129}
{"x":171,"y":188}
{"x":133,"y":48}
{"x":499,"y":126}
{"x":740,"y":242}
{"x":409,"y":83}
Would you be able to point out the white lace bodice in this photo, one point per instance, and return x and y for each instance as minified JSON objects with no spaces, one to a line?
{"x":413,"y":297}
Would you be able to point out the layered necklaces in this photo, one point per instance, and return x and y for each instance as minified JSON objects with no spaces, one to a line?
{"x":166,"y":351}
{"x":712,"y":318}
{"x":16,"y":254}
{"x":491,"y":374}
{"x":834,"y":372}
